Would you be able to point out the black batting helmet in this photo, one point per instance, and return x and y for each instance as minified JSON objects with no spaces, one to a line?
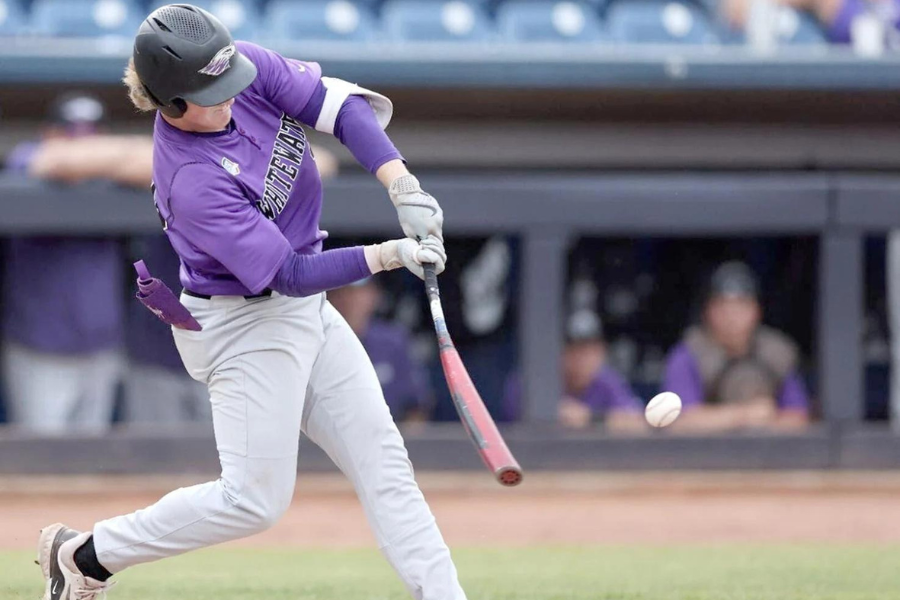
{"x":181,"y":52}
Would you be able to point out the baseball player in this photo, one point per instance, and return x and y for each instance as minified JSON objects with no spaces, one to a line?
{"x":239,"y":197}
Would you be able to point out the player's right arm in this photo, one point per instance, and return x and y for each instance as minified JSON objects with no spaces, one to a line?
{"x":208,"y":210}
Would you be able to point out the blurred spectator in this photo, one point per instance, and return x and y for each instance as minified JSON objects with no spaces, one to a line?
{"x":842,"y":21}
{"x":593,"y":389}
{"x":388,"y":345}
{"x":731,"y":371}
{"x":62,"y":296}
{"x":157,"y":388}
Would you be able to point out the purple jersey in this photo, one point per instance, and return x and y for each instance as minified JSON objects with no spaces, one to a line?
{"x":608,"y":392}
{"x":236,"y":203}
{"x":402,"y":379}
{"x":682,"y":376}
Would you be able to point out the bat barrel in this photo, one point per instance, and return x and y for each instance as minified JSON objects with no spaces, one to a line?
{"x":472,"y":412}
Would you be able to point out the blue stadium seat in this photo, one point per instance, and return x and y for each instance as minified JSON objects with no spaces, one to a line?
{"x":426,"y":20}
{"x":540,"y":20}
{"x":659,"y":22}
{"x":12,"y":17}
{"x":792,"y":28}
{"x":241,"y":17}
{"x":86,"y":18}
{"x":798,"y":28}
{"x":319,"y":20}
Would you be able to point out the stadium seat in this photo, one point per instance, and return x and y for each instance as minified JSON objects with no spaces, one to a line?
{"x":659,"y":22}
{"x":319,"y":20}
{"x":241,"y":17}
{"x":425,"y":20}
{"x":86,"y":18}
{"x":527,"y":20}
{"x":798,"y":28}
{"x":11,"y":17}
{"x":792,"y":28}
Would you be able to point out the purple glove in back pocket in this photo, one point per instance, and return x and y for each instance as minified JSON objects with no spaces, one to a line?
{"x":159,"y":299}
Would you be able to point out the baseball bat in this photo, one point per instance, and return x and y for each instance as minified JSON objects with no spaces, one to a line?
{"x":472,"y":412}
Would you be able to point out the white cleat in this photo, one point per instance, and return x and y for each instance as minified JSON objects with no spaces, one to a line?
{"x":56,"y":556}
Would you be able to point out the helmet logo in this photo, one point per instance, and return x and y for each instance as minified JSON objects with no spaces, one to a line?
{"x":220,"y":63}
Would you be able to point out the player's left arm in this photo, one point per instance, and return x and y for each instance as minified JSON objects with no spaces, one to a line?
{"x":359,"y":124}
{"x":356,"y":116}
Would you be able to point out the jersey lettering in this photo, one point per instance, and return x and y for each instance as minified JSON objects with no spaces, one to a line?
{"x":284,"y":166}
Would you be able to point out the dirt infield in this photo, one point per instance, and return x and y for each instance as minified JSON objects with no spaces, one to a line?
{"x":558,"y":509}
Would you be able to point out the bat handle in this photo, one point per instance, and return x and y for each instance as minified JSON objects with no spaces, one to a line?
{"x":431,"y":284}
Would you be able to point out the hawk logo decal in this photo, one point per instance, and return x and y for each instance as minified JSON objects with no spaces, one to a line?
{"x":220,"y":63}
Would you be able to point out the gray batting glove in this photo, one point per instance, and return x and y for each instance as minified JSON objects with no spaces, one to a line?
{"x":408,"y":253}
{"x":419,"y":213}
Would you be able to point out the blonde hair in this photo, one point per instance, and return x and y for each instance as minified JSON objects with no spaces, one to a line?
{"x":136,"y":91}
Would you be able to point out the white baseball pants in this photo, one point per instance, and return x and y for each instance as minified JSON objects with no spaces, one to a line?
{"x":276,"y":366}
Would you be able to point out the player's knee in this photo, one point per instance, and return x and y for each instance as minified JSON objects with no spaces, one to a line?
{"x":262,"y":498}
{"x":272,"y":507}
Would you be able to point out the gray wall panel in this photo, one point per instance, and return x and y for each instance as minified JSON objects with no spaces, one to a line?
{"x":447,"y":448}
{"x":658,"y":203}
{"x":870,"y":202}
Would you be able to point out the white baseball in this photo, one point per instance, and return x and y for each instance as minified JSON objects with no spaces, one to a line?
{"x":663,"y":409}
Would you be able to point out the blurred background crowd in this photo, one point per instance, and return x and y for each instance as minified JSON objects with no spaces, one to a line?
{"x":761,"y":23}
{"x":725,"y":323}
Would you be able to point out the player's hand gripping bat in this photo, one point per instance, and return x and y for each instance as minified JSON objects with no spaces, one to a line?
{"x":475,"y":418}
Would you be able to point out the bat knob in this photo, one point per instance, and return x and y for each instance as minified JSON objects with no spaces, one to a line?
{"x":509,"y":477}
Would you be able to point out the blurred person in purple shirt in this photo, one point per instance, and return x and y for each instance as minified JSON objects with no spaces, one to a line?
{"x":731,"y":371}
{"x":63,"y":301}
{"x":593,"y":389}
{"x":402,"y":378}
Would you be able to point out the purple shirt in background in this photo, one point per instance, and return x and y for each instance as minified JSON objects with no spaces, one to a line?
{"x":402,"y":380}
{"x":62,"y":295}
{"x":607,"y":392}
{"x":683,"y":377}
{"x":839,"y":31}
{"x":237,"y":203}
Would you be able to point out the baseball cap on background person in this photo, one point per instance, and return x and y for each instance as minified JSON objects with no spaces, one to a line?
{"x":584,"y":325}
{"x":76,"y":113}
{"x":733,"y":279}
{"x":183,"y":53}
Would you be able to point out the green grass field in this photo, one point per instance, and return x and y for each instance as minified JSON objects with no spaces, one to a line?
{"x":614,"y":573}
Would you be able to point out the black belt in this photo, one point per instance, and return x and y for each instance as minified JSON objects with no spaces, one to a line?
{"x":264,"y":294}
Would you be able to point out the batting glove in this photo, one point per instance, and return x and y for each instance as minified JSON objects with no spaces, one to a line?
{"x":419,"y":213}
{"x":408,"y":253}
